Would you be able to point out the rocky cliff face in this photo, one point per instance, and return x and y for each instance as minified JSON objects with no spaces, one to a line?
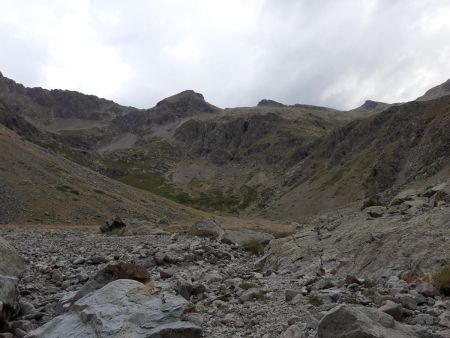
{"x":177,"y":107}
{"x":42,"y":105}
{"x":267,"y":137}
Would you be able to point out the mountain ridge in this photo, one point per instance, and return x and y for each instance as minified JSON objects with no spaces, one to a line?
{"x":242,"y":160}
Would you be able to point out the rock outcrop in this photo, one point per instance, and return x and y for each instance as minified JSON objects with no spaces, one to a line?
{"x":208,"y":228}
{"x":111,"y":272}
{"x":11,"y":269}
{"x":124,"y":308}
{"x":115,"y":224}
{"x":346,"y":321}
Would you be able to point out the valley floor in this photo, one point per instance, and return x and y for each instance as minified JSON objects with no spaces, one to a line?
{"x":236,"y":298}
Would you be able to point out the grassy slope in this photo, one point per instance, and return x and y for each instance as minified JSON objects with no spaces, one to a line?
{"x":47,"y":188}
{"x":185,"y":170}
{"x":404,"y":145}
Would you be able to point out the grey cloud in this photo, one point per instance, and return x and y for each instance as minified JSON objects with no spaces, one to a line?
{"x":332,"y":53}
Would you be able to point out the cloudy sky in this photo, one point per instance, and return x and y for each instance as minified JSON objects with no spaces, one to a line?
{"x":235,"y":52}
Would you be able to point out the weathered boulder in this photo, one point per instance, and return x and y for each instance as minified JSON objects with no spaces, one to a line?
{"x":439,"y":192}
{"x":444,"y":318}
{"x":116,"y":223}
{"x":393,"y":309}
{"x":11,"y":268}
{"x":375,"y":211}
{"x":183,"y":287}
{"x":123,"y":308}
{"x":111,"y":272}
{"x":207,"y":228}
{"x":403,"y":196}
{"x":293,"y":331}
{"x":427,"y":289}
{"x":241,"y":237}
{"x":11,"y":263}
{"x":345,"y":321}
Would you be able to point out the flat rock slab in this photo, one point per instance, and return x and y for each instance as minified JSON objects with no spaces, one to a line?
{"x":123,"y":308}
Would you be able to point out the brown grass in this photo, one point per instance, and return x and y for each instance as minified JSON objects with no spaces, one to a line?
{"x":441,"y":279}
{"x":148,"y":289}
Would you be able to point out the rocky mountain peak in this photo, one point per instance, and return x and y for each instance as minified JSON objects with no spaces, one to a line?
{"x":269,"y":103}
{"x":373,"y":105}
{"x":186,"y":103}
{"x":186,"y":95}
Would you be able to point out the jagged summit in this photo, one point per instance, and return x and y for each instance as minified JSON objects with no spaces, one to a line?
{"x":269,"y":103}
{"x":188,"y":94}
{"x":374,"y":105}
{"x":186,"y":103}
{"x":436,"y":92}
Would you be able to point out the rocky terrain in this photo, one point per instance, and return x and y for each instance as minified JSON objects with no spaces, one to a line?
{"x":326,"y":280}
{"x":188,"y":220}
{"x":274,"y":160}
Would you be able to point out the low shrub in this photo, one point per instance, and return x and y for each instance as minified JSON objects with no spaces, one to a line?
{"x":254,"y":246}
{"x":248,"y":285}
{"x":260,"y":296}
{"x":314,"y":299}
{"x":441,"y":280}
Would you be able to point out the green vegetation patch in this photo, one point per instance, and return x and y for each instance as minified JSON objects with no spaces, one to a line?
{"x":254,"y":246}
{"x":260,"y":296}
{"x":248,"y":285}
{"x":441,"y":280}
{"x":314,"y":299}
{"x":68,"y":189}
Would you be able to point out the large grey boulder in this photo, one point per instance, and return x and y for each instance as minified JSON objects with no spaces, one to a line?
{"x":345,"y":321}
{"x":376,"y":211}
{"x":112,"y":271}
{"x":11,"y":264}
{"x":11,"y":268}
{"x":208,"y":228}
{"x":123,"y":308}
{"x":241,"y":237}
{"x":115,"y":224}
{"x":292,"y":331}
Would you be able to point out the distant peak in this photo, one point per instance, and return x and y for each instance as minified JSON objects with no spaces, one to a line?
{"x":270,"y":103}
{"x":370,"y":105}
{"x":184,"y":95}
{"x":186,"y":103}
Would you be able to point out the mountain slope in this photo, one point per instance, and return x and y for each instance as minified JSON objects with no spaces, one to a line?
{"x":403,"y":145}
{"x":368,"y":108}
{"x":40,"y":187}
{"x":56,"y":109}
{"x":436,"y":92}
{"x":288,"y":159}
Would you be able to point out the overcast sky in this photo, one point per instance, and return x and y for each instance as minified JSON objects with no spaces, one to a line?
{"x":136,"y":52}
